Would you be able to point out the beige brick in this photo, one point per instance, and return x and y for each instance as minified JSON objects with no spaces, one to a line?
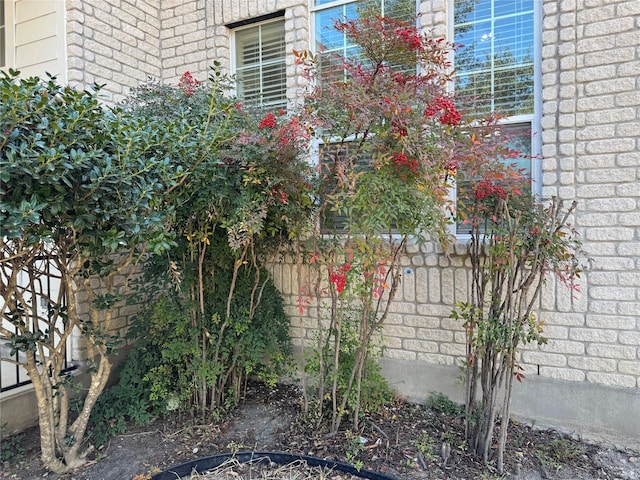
{"x":612,"y":351}
{"x":436,"y":359}
{"x":593,"y":364}
{"x":391,"y":342}
{"x":610,"y":146}
{"x":629,"y":338}
{"x":629,"y":367}
{"x":423,"y":287}
{"x":553,"y":331}
{"x":452,"y":324}
{"x":400,"y":354}
{"x":398,"y":331}
{"x":436,"y":335}
{"x":461,"y":287}
{"x":421,"y":321}
{"x":563,"y":346}
{"x":613,"y":115}
{"x":408,"y":286}
{"x":608,"y":27}
{"x":454,"y":349}
{"x":628,"y":190}
{"x":603,"y":87}
{"x":596,"y":103}
{"x":629,"y":219}
{"x":556,"y":318}
{"x":403,"y":307}
{"x":593,"y":335}
{"x":547,"y":359}
{"x":613,"y":263}
{"x":612,"y":293}
{"x":594,"y":220}
{"x":611,"y":322}
{"x":420,"y":346}
{"x":447,"y":284}
{"x":628,"y":8}
{"x":431,"y":309}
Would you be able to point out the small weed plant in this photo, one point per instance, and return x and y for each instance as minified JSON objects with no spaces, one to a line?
{"x":427,"y":447}
{"x":354,"y":449}
{"x":558,"y":452}
{"x":12,"y":449}
{"x":441,"y":403}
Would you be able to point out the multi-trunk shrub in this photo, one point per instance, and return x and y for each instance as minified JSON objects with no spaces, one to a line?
{"x":242,"y":196}
{"x":80,"y":204}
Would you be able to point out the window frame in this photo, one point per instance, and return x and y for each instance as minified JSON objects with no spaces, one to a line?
{"x":257,"y":23}
{"x":534,"y":119}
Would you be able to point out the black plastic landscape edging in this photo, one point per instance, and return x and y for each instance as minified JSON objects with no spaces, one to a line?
{"x":208,"y":463}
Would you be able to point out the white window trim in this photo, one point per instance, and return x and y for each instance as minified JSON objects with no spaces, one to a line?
{"x":534,"y":119}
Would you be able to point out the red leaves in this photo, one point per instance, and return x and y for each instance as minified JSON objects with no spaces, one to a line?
{"x":410,"y":36}
{"x":269,"y":121}
{"x":282,"y":197}
{"x":339,"y":277}
{"x":486,"y":188}
{"x":446,"y":111}
{"x":188,"y":84}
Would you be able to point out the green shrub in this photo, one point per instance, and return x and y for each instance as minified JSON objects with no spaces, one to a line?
{"x":374,"y":389}
{"x":150,"y":373}
{"x":161,"y":371}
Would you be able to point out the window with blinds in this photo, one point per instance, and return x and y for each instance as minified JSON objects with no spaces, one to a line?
{"x":260,"y":64}
{"x":334,"y":157}
{"x":519,"y":139}
{"x":495,"y":62}
{"x":495,"y":71}
{"x":334,"y":46}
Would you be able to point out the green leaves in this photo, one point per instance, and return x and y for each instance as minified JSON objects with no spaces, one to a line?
{"x":68,"y":164}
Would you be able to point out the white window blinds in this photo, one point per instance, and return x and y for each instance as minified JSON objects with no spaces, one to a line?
{"x":496,"y":59}
{"x":260,"y":64}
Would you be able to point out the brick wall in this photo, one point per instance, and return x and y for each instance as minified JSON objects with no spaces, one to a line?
{"x":115,"y":42}
{"x":590,"y":137}
{"x":194,"y":34}
{"x":590,"y":144}
{"x":591,"y":149}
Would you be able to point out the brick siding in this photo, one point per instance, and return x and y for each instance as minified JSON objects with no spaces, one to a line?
{"x":590,"y":118}
{"x":115,"y":42}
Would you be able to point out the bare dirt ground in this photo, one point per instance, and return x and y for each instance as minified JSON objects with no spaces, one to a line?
{"x":402,"y":440}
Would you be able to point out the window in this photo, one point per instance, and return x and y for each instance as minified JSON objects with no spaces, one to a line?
{"x":496,"y":60}
{"x":498,"y":64}
{"x":260,"y":64}
{"x":330,"y":157}
{"x":333,"y":45}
